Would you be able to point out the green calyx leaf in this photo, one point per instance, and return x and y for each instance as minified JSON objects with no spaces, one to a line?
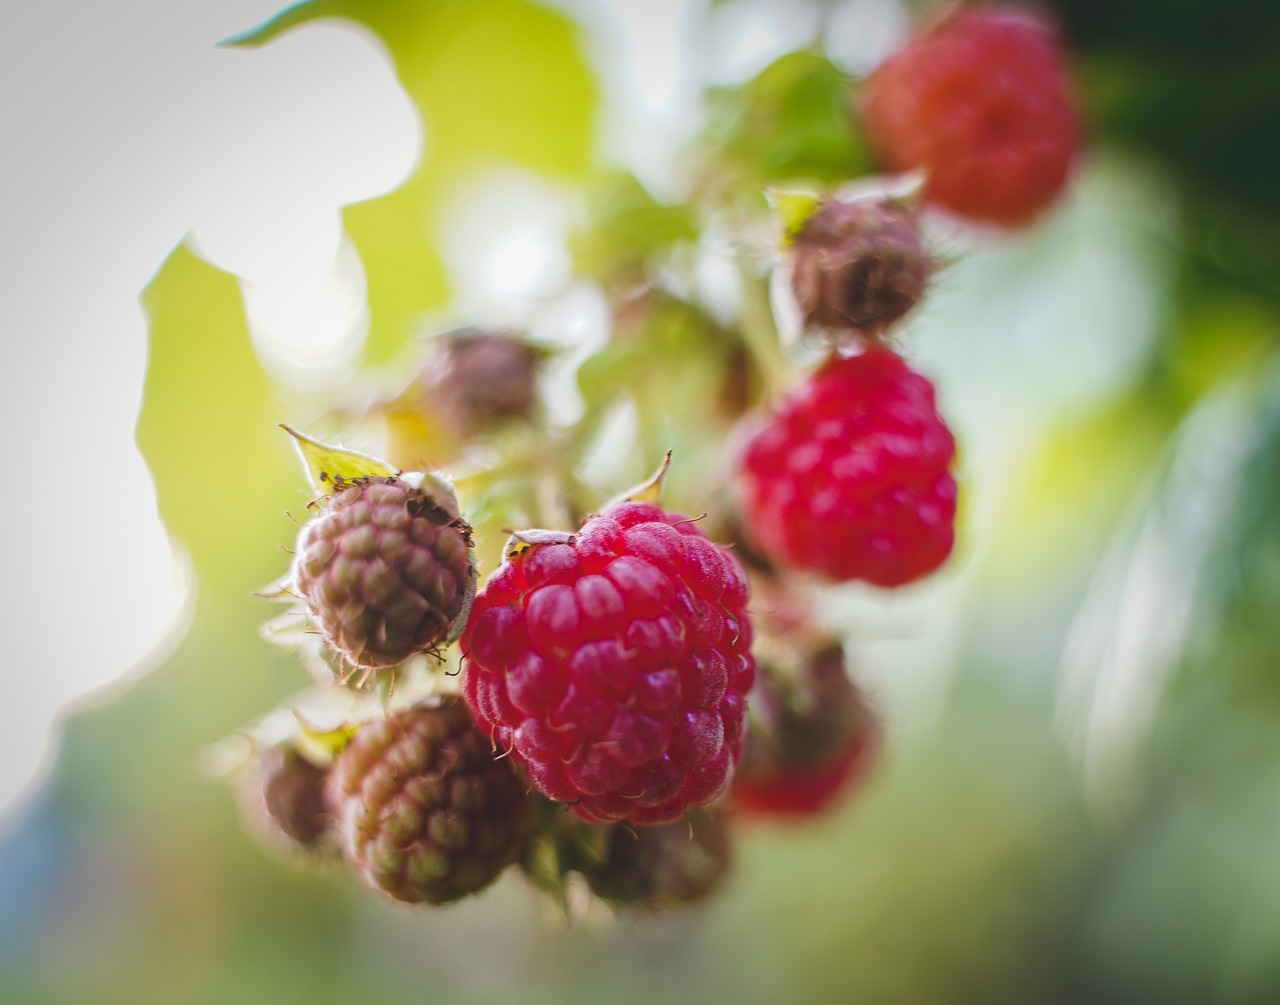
{"x":792,"y":211}
{"x":330,"y":467}
{"x":648,"y":491}
{"x":321,"y":746}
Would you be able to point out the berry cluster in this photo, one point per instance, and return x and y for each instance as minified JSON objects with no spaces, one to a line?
{"x":604,"y":703}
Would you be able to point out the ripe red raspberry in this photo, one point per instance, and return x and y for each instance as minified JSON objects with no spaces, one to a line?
{"x":424,"y":811}
{"x":811,"y":736}
{"x":385,"y":570}
{"x":615,"y":663}
{"x":852,"y":477}
{"x":980,"y":102}
{"x":669,"y":865}
{"x":857,"y":267}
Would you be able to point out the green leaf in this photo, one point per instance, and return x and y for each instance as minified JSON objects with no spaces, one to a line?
{"x":404,"y":273}
{"x":328,"y":467}
{"x":494,"y":79}
{"x":792,"y":210}
{"x":606,"y":374}
{"x":793,"y":121}
{"x":628,"y":227}
{"x":296,"y":14}
{"x":206,"y":424}
{"x":494,"y":82}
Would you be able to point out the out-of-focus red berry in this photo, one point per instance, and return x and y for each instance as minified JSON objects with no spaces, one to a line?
{"x":852,"y":477}
{"x":980,"y":102}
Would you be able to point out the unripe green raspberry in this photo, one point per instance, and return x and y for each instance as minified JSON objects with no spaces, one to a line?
{"x":386,"y":570}
{"x":661,"y":866}
{"x":858,"y":267}
{"x":424,"y":811}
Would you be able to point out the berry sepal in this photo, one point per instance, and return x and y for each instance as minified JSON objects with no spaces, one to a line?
{"x":330,"y":467}
{"x":647,"y":491}
{"x":791,"y":211}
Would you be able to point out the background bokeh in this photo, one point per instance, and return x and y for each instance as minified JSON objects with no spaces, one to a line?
{"x":1078,"y":798}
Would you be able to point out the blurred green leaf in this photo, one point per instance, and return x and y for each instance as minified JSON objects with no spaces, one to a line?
{"x":1189,"y":84}
{"x":606,"y":374}
{"x":500,"y":79}
{"x":1219,"y":329}
{"x":207,"y":428}
{"x":404,"y":273}
{"x":1079,"y":477}
{"x":495,"y":82}
{"x":628,"y":227}
{"x":794,"y":121}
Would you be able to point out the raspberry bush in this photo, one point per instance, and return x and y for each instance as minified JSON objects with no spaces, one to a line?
{"x":583,"y":699}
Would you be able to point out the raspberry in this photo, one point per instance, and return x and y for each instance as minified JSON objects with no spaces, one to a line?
{"x":385,"y":571}
{"x":980,"y":103}
{"x":424,"y":811}
{"x":474,"y":379}
{"x":284,"y":799}
{"x":615,"y":663}
{"x":811,"y":736}
{"x":664,"y":866}
{"x":858,"y":267}
{"x":851,"y":478}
